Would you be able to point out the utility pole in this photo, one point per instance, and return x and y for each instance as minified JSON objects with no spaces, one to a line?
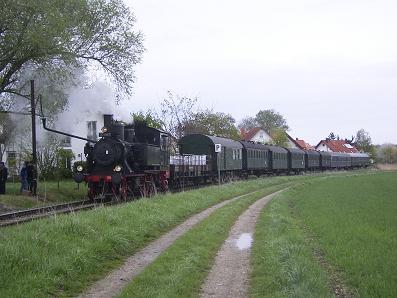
{"x":33,"y":111}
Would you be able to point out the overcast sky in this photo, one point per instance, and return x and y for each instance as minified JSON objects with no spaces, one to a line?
{"x":325,"y":65}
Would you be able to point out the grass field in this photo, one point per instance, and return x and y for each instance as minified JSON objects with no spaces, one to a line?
{"x":62,"y":255}
{"x":354,"y":223}
{"x":48,"y":193}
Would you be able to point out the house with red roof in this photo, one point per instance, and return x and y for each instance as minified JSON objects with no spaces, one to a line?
{"x":256,"y":135}
{"x":336,"y":146}
{"x":259,"y":135}
{"x":300,"y":144}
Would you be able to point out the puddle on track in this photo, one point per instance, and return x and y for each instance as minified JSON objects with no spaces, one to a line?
{"x":244,"y":241}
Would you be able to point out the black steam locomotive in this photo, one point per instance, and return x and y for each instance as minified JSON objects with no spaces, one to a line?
{"x":133,"y":160}
{"x":128,"y":160}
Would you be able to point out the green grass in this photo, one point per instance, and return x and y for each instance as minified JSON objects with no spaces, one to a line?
{"x":281,"y":261}
{"x":48,"y":193}
{"x":354,"y":222}
{"x":63,"y":255}
{"x":181,"y":269}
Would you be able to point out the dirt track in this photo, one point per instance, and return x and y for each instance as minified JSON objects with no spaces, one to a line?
{"x":112,"y":284}
{"x":229,"y":277}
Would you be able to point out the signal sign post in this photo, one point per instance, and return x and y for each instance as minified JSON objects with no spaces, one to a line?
{"x":218,"y":149}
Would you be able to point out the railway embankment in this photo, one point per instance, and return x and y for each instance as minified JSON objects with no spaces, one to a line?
{"x":64,"y":254}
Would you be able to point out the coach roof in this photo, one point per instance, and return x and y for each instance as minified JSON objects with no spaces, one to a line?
{"x":228,"y":143}
{"x":252,"y":145}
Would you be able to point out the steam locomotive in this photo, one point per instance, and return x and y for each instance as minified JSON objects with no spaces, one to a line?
{"x":133,"y":160}
{"x":128,"y":160}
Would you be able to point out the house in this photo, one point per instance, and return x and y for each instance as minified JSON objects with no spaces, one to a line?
{"x":336,"y":146}
{"x":256,"y":135}
{"x":13,"y":153}
{"x":87,"y":128}
{"x":300,"y":144}
{"x":259,"y":135}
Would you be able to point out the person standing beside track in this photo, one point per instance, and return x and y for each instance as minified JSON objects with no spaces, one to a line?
{"x":3,"y":177}
{"x":24,"y":177}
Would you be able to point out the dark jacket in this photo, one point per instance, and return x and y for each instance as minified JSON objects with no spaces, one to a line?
{"x":24,"y":173}
{"x":3,"y":174}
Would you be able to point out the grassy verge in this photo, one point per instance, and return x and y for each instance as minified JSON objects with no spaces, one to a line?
{"x":63,"y":255}
{"x":181,"y":269}
{"x":48,"y":193}
{"x":282,"y":261}
{"x":353,"y":219}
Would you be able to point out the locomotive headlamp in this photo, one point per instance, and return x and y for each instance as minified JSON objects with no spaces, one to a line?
{"x":117,"y":168}
{"x":79,"y":168}
{"x":104,"y":130}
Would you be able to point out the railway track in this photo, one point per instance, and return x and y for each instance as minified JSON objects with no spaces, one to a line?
{"x":17,"y":217}
{"x":13,"y":218}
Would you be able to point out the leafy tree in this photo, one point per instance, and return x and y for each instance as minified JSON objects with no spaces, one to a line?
{"x":248,"y":123}
{"x":388,"y":153}
{"x":279,"y":137}
{"x":55,"y":37}
{"x":270,"y":119}
{"x":212,"y":123}
{"x":150,"y":118}
{"x":363,"y":141}
{"x":64,"y":157}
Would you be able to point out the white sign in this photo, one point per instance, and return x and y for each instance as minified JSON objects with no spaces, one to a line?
{"x":218,"y":148}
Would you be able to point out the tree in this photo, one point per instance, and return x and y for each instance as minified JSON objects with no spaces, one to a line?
{"x":363,"y":141}
{"x":389,"y":153}
{"x":270,"y":119}
{"x":55,"y":37}
{"x":331,"y":136}
{"x":175,"y":112}
{"x":248,"y":123}
{"x":150,"y":118}
{"x":212,"y":123}
{"x":279,"y":137}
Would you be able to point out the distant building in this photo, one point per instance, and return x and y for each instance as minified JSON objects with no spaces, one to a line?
{"x":300,"y":144}
{"x":257,"y":135}
{"x":336,"y":146}
{"x":87,"y":129}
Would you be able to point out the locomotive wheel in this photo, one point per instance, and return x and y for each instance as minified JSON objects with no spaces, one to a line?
{"x":151,"y":189}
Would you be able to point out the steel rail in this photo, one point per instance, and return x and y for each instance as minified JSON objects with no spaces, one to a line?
{"x":12,"y":218}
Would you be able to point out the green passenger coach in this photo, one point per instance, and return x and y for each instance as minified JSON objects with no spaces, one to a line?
{"x":230,"y":157}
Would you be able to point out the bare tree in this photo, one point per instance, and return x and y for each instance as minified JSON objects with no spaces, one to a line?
{"x":176,"y":111}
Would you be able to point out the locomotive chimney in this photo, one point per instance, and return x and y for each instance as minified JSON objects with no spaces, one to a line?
{"x":107,"y":120}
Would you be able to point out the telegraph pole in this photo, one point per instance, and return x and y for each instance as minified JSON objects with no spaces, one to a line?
{"x":33,"y":111}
